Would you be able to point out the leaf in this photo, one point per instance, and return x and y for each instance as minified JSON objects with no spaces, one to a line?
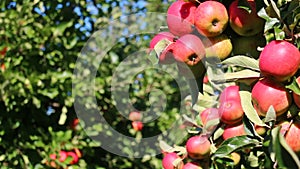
{"x":160,"y":46}
{"x":230,"y":77}
{"x":248,"y":108}
{"x":242,"y":61}
{"x":279,"y":33}
{"x":194,"y":90}
{"x":164,"y":146}
{"x":189,"y":122}
{"x":153,"y":57}
{"x":270,"y":22}
{"x":294,"y":86}
{"x":271,"y":115}
{"x":232,"y":144}
{"x":276,"y":10}
{"x":244,"y":5}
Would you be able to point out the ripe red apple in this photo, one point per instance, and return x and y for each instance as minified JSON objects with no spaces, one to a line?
{"x":296,"y":97}
{"x":218,"y":46}
{"x":135,"y":116}
{"x":62,"y":156}
{"x":243,"y":22}
{"x":211,"y":18}
{"x":267,"y":92}
{"x":230,"y":108}
{"x":74,"y":123}
{"x":192,"y":165}
{"x":209,"y":114}
{"x":279,"y":60}
{"x":205,"y":80}
{"x":167,"y":161}
{"x":180,"y":17}
{"x":233,"y":131}
{"x":160,"y":36}
{"x":137,"y":125}
{"x":74,"y":156}
{"x":292,"y":134}
{"x":189,"y":49}
{"x":198,"y":147}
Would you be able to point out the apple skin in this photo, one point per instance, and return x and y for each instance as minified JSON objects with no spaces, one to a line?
{"x":209,"y":114}
{"x":296,"y":97}
{"x":244,"y":23}
{"x":236,"y":157}
{"x":267,"y":92}
{"x":137,"y":125}
{"x":198,"y":147}
{"x":230,"y":108}
{"x":167,"y":161}
{"x":247,"y":45}
{"x":292,"y":134}
{"x":219,"y":46}
{"x":192,"y":165}
{"x":233,"y":131}
{"x":160,"y":36}
{"x":135,"y":116}
{"x":180,"y":17}
{"x":189,"y":49}
{"x":260,"y":130}
{"x":211,"y":18}
{"x":279,"y":60}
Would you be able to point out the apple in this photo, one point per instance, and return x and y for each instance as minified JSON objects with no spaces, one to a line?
{"x":191,"y":72}
{"x":243,"y":22}
{"x":205,"y":79}
{"x":233,"y":131}
{"x":267,"y":92}
{"x":74,"y":156}
{"x":167,"y":161}
{"x":180,"y":17}
{"x":74,"y":123}
{"x":135,"y":116}
{"x":189,"y":49}
{"x":198,"y":147}
{"x":247,"y":45}
{"x":296,"y":97}
{"x":211,"y":18}
{"x":236,"y":157}
{"x":260,"y":130}
{"x":209,"y":114}
{"x":279,"y":60}
{"x":3,"y":51}
{"x":166,"y":56}
{"x":291,"y":134}
{"x":218,"y":46}
{"x":3,"y":67}
{"x":160,"y":36}
{"x":230,"y":108}
{"x":137,"y":125}
{"x":192,"y":165}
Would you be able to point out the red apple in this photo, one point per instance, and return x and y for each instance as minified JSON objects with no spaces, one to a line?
{"x":279,"y":60}
{"x":192,"y":165}
{"x":230,"y":108}
{"x":198,"y":147}
{"x":292,"y":134}
{"x":180,"y":17}
{"x":137,"y":125}
{"x":3,"y":51}
{"x":160,"y":36}
{"x":267,"y":92}
{"x":211,"y":18}
{"x":3,"y":67}
{"x":243,"y":22}
{"x":74,"y":124}
{"x":189,"y":49}
{"x":233,"y":131}
{"x":135,"y":116}
{"x":205,"y":80}
{"x":296,"y":97}
{"x":167,"y":161}
{"x":209,"y":114}
{"x":74,"y":156}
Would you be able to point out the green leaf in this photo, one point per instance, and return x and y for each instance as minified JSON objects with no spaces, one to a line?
{"x":294,"y":86}
{"x":242,"y":61}
{"x":270,"y":22}
{"x":244,"y":5}
{"x":235,"y":143}
{"x":234,"y":76}
{"x":279,"y":33}
{"x":250,"y":112}
{"x":164,"y":146}
{"x":271,"y":115}
{"x":161,"y":46}
{"x":189,"y":122}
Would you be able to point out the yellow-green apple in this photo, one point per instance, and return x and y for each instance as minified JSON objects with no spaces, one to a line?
{"x":233,"y":131}
{"x":243,"y":22}
{"x":160,"y":36}
{"x":211,"y":18}
{"x":267,"y":92}
{"x":180,"y":17}
{"x":230,"y":108}
{"x":189,"y":49}
{"x":279,"y":60}
{"x":192,"y":165}
{"x":296,"y":97}
{"x":209,"y":114}
{"x":291,"y":134}
{"x":248,"y":45}
{"x":218,"y":46}
{"x":167,"y":161}
{"x":135,"y":116}
{"x":198,"y":147}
